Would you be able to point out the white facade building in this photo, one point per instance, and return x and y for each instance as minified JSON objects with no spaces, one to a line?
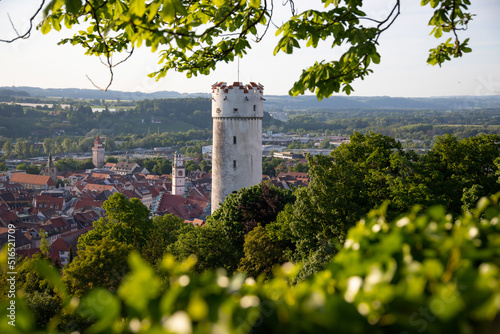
{"x":237,"y":112}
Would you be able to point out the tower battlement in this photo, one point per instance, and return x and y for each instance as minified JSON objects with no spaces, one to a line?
{"x":246,"y":88}
{"x":237,"y":100}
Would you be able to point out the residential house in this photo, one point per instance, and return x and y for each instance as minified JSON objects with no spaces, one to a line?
{"x":128,"y":168}
{"x":186,"y":208}
{"x":42,"y":202}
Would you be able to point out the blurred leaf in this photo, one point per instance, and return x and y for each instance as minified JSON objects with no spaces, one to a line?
{"x":103,"y":306}
{"x":140,"y":286}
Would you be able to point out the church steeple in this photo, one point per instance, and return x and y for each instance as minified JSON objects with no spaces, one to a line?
{"x":50,"y":163}
{"x":50,"y":169}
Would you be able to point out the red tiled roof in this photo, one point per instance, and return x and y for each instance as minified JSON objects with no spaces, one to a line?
{"x":58,"y":222}
{"x":98,"y":187}
{"x":54,"y":202}
{"x":28,"y":253}
{"x":154,"y":192}
{"x":71,"y":237}
{"x":87,"y":203}
{"x":196,"y":221}
{"x":185,"y":208}
{"x":39,"y":180}
{"x":130,"y":194}
{"x":295,"y":175}
{"x":100,"y":175}
{"x":12,"y":186}
{"x":8,"y":217}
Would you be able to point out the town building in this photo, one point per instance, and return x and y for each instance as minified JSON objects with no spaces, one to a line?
{"x":128,"y":168}
{"x":31,"y":181}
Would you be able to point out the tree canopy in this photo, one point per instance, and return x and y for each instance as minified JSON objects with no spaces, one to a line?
{"x":423,"y":272}
{"x":194,"y":36}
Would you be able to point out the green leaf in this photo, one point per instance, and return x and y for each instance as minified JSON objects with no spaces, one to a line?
{"x":137,"y":7}
{"x":255,"y":3}
{"x":434,"y":3}
{"x":168,"y":11}
{"x":56,"y":22}
{"x":141,"y":285}
{"x":52,"y":275}
{"x":179,"y":7}
{"x":153,"y":9}
{"x":438,"y":32}
{"x":73,"y":6}
{"x":53,"y":6}
{"x":119,"y":8}
{"x":45,"y":27}
{"x":102,"y":305}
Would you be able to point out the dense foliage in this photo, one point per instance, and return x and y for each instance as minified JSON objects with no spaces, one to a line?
{"x":373,"y":169}
{"x":424,"y":271}
{"x":194,"y":36}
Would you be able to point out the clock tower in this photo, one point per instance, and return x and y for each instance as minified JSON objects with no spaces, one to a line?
{"x":178,"y":175}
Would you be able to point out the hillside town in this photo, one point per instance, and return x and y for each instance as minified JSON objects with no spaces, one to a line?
{"x":62,"y":206}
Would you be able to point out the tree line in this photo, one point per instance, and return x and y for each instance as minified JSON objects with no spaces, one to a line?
{"x":417,"y":125}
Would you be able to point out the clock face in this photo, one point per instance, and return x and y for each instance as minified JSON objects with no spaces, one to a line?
{"x":179,"y":173}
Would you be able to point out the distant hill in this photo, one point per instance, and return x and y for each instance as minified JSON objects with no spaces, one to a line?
{"x":381,"y":102}
{"x":91,"y":94}
{"x":277,"y":102}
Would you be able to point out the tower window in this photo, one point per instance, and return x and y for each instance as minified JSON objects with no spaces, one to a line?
{"x":254,"y":107}
{"x":235,"y":109}
{"x":234,"y":163}
{"x":234,"y":140}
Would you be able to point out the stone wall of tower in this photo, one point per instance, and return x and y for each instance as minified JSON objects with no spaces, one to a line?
{"x":237,"y":112}
{"x":98,"y":154}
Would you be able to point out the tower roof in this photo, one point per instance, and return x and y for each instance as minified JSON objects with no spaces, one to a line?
{"x":98,"y":143}
{"x":238,"y":85}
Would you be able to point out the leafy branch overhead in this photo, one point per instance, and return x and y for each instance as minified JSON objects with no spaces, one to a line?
{"x":194,"y":36}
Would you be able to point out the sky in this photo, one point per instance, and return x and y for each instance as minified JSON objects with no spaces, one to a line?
{"x":39,"y":62}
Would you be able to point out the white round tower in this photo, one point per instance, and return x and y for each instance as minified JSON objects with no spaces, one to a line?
{"x":237,"y":112}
